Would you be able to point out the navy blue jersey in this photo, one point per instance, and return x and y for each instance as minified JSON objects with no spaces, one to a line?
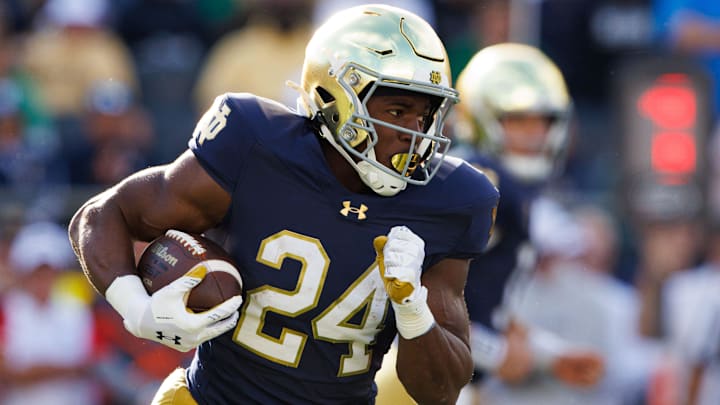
{"x":316,"y":320}
{"x":489,"y":273}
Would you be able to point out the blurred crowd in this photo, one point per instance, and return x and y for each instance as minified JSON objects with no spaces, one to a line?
{"x":93,"y":90}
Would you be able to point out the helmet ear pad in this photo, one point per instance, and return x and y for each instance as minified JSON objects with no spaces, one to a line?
{"x":335,"y":107}
{"x":330,"y":111}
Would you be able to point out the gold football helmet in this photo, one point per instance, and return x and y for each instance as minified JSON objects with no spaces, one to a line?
{"x":354,"y":53}
{"x":507,"y":80}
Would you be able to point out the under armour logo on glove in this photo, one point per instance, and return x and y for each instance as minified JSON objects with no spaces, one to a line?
{"x":182,"y":330}
{"x":160,"y":335}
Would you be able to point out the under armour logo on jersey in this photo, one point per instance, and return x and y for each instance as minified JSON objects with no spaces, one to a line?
{"x":360,"y":212}
{"x":161,"y":336}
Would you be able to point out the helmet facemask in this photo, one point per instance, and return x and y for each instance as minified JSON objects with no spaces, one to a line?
{"x":358,"y":135}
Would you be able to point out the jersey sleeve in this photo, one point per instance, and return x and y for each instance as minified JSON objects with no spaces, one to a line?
{"x":221,"y":141}
{"x":480,"y":212}
{"x":480,"y":227}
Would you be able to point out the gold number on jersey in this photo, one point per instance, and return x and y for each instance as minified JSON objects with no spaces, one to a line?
{"x":354,"y":318}
{"x":212,"y":122}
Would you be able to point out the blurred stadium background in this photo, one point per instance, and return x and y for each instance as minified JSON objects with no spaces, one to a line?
{"x":92,"y":90}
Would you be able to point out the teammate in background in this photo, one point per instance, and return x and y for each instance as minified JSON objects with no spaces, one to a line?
{"x":691,"y":318}
{"x":299,"y":199}
{"x":514,"y":117}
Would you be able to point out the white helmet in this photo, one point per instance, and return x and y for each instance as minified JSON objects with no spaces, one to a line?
{"x":356,"y":52}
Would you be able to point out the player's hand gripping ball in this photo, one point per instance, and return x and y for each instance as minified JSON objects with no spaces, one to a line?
{"x":175,"y":253}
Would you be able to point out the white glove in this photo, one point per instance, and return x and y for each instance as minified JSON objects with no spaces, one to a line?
{"x":400,"y":257}
{"x":164,"y":317}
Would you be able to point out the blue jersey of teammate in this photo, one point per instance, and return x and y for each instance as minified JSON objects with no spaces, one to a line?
{"x":316,"y":319}
{"x":489,"y":273}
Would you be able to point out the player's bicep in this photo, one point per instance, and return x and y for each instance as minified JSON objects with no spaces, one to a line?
{"x":445,"y":282}
{"x":180,"y":195}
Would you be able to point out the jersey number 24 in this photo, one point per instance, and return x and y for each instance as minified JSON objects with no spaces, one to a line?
{"x":366,"y":297}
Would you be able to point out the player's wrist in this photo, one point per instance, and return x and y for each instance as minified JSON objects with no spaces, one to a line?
{"x":414,"y":318}
{"x":127,"y":295}
{"x":488,"y":348}
{"x":545,"y":348}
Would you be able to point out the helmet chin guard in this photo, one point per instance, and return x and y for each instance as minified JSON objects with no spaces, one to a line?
{"x":379,"y":181}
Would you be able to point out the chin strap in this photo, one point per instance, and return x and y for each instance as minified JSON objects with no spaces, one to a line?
{"x":380,"y":182}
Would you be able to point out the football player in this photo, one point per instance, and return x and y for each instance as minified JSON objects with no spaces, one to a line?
{"x":514,"y":114}
{"x":347,"y":220}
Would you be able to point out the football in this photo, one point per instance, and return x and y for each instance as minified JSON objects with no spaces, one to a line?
{"x":173,"y":254}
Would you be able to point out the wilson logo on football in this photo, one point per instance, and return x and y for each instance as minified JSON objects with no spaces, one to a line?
{"x":161,"y":251}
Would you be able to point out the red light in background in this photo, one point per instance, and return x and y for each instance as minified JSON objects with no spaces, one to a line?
{"x":673,"y":153}
{"x":664,"y":111}
{"x":674,"y":78}
{"x":670,"y":107}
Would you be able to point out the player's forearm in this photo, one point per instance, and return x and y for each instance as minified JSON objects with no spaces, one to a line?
{"x":101,"y":241}
{"x":435,"y":366}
